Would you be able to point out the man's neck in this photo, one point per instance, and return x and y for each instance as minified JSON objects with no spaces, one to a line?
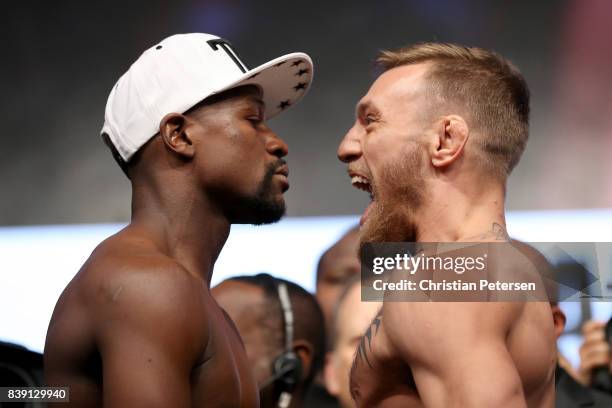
{"x":183,"y":224}
{"x":452,"y":215}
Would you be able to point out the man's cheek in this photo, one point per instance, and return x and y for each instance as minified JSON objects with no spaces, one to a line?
{"x":380,"y":152}
{"x":379,"y":162}
{"x":251,"y":177}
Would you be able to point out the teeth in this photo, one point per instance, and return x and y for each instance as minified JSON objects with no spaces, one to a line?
{"x":359,"y":179}
{"x":362,"y":183}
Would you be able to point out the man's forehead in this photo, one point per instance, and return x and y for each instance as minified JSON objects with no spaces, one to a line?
{"x":250,"y":93}
{"x":246,"y":94}
{"x":396,"y":82}
{"x":340,"y":260}
{"x":255,"y":100}
{"x":404,"y":74}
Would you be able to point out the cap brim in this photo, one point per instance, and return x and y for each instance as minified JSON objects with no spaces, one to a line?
{"x":283,"y":81}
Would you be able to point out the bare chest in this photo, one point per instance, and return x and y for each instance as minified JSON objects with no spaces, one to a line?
{"x":224,"y":378}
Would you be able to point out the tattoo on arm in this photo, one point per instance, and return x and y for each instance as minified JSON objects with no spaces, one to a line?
{"x":365,"y":345}
{"x":500,"y":232}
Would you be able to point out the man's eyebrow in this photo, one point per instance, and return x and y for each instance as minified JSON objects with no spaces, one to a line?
{"x":257,"y":100}
{"x":362,"y":107}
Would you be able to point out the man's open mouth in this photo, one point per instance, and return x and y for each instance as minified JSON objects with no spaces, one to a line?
{"x":361,"y":182}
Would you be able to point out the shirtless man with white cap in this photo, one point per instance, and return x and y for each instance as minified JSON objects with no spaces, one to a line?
{"x":137,"y":326}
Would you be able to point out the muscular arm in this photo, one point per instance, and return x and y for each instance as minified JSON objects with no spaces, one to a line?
{"x":149,"y":338}
{"x":457,"y":352}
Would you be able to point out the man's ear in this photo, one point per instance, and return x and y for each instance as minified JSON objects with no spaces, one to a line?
{"x":174,"y":131}
{"x":330,"y":375}
{"x":452,"y":133}
{"x":558,"y":319}
{"x":305,"y":352}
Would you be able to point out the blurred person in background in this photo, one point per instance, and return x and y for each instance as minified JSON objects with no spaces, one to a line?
{"x":595,"y":368}
{"x":337,"y":266}
{"x":282,"y":328}
{"x":20,"y":367}
{"x":570,"y":392}
{"x":352,"y":317}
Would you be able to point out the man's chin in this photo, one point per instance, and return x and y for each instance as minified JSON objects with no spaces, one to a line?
{"x":382,"y":225}
{"x":374,"y":227}
{"x":268,"y":212}
{"x":257,"y":211}
{"x":269,"y":218}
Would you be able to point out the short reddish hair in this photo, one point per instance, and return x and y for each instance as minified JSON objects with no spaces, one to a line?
{"x":492,"y":90}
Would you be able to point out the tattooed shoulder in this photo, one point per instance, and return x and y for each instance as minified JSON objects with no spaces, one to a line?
{"x":500,"y":233}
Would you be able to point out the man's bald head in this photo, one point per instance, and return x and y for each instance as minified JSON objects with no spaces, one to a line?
{"x":257,"y":318}
{"x":253,"y":303}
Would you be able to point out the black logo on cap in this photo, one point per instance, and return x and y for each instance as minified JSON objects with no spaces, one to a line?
{"x":229,"y":50}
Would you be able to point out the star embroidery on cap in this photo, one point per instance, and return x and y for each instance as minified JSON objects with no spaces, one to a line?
{"x":296,"y":63}
{"x":301,"y":85}
{"x":253,"y":76}
{"x":302,"y":72}
{"x":280,"y":63}
{"x":284,"y":104}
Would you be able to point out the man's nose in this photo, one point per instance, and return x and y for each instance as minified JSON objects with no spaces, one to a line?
{"x":350,"y":147}
{"x":277,"y":146}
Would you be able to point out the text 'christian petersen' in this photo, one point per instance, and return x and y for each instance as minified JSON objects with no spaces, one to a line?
{"x":452,"y":285}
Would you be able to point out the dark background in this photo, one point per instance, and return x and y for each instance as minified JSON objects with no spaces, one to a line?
{"x":61,"y":59}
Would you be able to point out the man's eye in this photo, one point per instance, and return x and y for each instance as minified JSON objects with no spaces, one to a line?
{"x":369,"y":119}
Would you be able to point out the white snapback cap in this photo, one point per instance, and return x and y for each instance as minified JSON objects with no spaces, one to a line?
{"x":184,"y":69}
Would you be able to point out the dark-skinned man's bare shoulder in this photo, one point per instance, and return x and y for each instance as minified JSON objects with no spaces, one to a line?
{"x":138,"y":322}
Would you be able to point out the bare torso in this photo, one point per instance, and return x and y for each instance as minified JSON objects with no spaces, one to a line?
{"x":81,"y":353}
{"x":380,"y":377}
